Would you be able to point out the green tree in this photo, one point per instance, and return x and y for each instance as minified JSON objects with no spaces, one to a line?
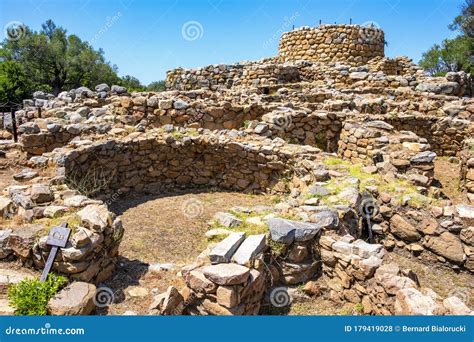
{"x":132,"y":83}
{"x":53,"y":60}
{"x":14,"y":84}
{"x":157,"y":86}
{"x":454,"y":54}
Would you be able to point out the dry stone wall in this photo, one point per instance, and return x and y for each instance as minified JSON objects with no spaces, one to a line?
{"x":332,"y":43}
{"x":156,"y":162}
{"x":467,"y":168}
{"x":227,"y":76}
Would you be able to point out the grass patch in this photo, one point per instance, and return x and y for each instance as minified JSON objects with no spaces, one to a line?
{"x":397,"y":188}
{"x":72,"y":219}
{"x":277,"y":248}
{"x":333,"y":161}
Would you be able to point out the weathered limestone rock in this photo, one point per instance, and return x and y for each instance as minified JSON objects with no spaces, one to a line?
{"x":22,"y":240}
{"x":226,"y":274}
{"x":447,"y":245}
{"x":75,"y":299}
{"x":9,"y":277}
{"x":169,"y":303}
{"x":227,"y":296}
{"x":403,"y":229}
{"x":6,"y":206}
{"x":467,"y":235}
{"x":5,"y":249}
{"x":197,"y":281}
{"x":410,"y":301}
{"x":455,"y":306}
{"x":5,"y":308}
{"x":95,"y":217}
{"x":41,"y":193}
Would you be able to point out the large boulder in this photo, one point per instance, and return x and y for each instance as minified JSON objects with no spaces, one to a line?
{"x":447,"y":245}
{"x":75,"y":299}
{"x":403,"y":229}
{"x":410,"y":301}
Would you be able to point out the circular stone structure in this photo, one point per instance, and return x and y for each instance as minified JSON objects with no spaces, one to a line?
{"x":332,"y":43}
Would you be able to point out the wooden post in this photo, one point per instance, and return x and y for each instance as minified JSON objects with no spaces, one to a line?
{"x":15,"y":134}
{"x":39,"y":112}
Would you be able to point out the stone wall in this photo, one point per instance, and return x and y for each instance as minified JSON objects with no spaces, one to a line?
{"x":319,"y":129}
{"x":467,"y":168}
{"x":227,"y":76}
{"x":444,"y":134}
{"x":91,"y":251}
{"x":156,"y":162}
{"x":377,"y":143}
{"x":332,"y":43}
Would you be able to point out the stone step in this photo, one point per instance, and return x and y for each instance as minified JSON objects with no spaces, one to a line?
{"x":226,"y":274}
{"x":223,"y":251}
{"x":251,"y":247}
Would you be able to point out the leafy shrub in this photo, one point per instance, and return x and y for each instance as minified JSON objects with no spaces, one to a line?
{"x":30,"y":297}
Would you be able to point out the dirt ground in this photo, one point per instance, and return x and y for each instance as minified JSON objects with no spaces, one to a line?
{"x":166,"y":229}
{"x":171,"y":228}
{"x":447,"y":174}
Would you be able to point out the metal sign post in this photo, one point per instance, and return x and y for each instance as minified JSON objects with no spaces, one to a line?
{"x":57,"y":237}
{"x":15,"y":134}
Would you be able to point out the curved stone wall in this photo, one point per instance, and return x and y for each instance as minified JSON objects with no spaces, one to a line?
{"x":331,"y":43}
{"x":157,"y":162}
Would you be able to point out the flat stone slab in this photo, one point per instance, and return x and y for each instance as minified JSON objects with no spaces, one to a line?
{"x":224,"y":250}
{"x":423,"y":157}
{"x":25,"y":174}
{"x":251,"y":247}
{"x":288,"y":231}
{"x":226,"y":274}
{"x":227,"y":220}
{"x":326,"y":219}
{"x":75,"y":299}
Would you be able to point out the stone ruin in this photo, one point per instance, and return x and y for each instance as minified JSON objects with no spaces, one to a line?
{"x":337,"y":128}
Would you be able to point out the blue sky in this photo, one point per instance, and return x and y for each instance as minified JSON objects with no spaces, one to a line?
{"x":144,"y":38}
